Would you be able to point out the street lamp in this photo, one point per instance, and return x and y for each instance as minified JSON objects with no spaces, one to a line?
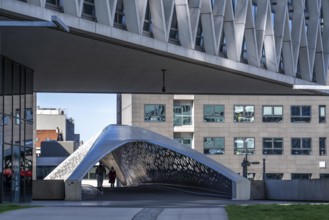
{"x":245,"y":163}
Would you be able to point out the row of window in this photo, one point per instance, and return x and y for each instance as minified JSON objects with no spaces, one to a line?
{"x":242,"y":113}
{"x":294,"y":176}
{"x":271,"y":146}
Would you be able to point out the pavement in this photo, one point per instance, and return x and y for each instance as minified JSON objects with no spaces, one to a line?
{"x":132,"y":203}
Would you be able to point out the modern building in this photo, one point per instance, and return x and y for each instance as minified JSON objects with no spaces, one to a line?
{"x":244,"y":47}
{"x":55,"y":139}
{"x":289,"y":132}
{"x":52,"y":124}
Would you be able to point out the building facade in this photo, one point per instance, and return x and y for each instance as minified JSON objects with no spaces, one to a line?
{"x":55,"y":139}
{"x":53,"y":124}
{"x":16,"y":131}
{"x":289,"y":132}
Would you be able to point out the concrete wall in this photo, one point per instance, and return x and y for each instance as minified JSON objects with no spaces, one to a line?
{"x":302,"y":190}
{"x":48,"y":189}
{"x":257,"y":190}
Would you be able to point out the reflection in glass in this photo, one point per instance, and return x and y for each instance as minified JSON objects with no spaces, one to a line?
{"x":244,"y":113}
{"x":187,"y":141}
{"x":272,"y":113}
{"x":154,"y":113}
{"x":213,"y":145}
{"x":182,"y":115}
{"x":272,"y":146}
{"x":300,"y":113}
{"x":244,"y":145}
{"x":322,"y":146}
{"x":213,"y":113}
{"x":16,"y":159}
{"x":301,"y":146}
{"x":322,"y":114}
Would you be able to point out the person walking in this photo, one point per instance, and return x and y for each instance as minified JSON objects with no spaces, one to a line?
{"x":112,"y":176}
{"x":100,"y":172}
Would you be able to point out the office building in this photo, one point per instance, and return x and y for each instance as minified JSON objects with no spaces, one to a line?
{"x":289,"y":132}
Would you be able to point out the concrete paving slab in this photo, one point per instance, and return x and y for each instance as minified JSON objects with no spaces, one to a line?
{"x":71,"y":213}
{"x":193,"y":214}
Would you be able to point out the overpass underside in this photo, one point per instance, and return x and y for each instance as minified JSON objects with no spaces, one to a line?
{"x":122,"y":46}
{"x":141,"y":156}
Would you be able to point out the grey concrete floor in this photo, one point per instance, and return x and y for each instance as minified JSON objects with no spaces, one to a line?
{"x":137,"y":203}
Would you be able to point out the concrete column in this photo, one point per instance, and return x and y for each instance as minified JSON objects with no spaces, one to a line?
{"x":73,"y":191}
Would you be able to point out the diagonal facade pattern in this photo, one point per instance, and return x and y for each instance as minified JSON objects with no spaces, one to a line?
{"x":283,"y":36}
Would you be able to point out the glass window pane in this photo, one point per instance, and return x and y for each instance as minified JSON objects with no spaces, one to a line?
{"x":306,"y":110}
{"x":306,"y":143}
{"x":207,"y":109}
{"x":154,"y":113}
{"x":295,"y":110}
{"x":267,"y":110}
{"x":322,"y":111}
{"x":295,"y":142}
{"x":278,"y":110}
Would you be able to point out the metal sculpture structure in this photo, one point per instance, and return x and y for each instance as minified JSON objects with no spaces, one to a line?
{"x":141,"y":156}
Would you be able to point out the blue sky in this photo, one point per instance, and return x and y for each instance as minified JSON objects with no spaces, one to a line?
{"x":91,"y":112}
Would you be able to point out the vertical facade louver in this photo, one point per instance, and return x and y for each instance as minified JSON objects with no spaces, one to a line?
{"x":283,"y":36}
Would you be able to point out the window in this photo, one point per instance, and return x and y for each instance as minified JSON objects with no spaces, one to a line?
{"x":213,"y":145}
{"x":173,"y":33}
{"x":272,"y":146}
{"x":322,"y":146}
{"x":301,"y":176}
{"x":187,"y":141}
{"x":274,"y":176}
{"x":154,"y":113}
{"x":147,"y":21}
{"x":120,"y":17}
{"x":88,"y":10}
{"x":322,"y":114}
{"x":54,"y":5}
{"x":244,"y":145}
{"x":301,"y":146}
{"x":272,"y":113}
{"x":182,"y":115}
{"x":300,"y":113}
{"x":244,"y":113}
{"x":213,"y":113}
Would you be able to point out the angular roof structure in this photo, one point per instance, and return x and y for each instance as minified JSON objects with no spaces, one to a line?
{"x":141,"y":156}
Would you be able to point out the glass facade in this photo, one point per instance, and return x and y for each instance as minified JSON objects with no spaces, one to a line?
{"x":16,"y":134}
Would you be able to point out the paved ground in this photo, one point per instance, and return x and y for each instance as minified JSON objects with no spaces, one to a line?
{"x":137,"y":203}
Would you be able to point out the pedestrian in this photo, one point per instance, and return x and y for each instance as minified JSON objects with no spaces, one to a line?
{"x":112,"y":176}
{"x":100,"y":172}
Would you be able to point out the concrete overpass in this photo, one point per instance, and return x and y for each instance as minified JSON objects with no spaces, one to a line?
{"x":240,"y":50}
{"x":258,"y":47}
